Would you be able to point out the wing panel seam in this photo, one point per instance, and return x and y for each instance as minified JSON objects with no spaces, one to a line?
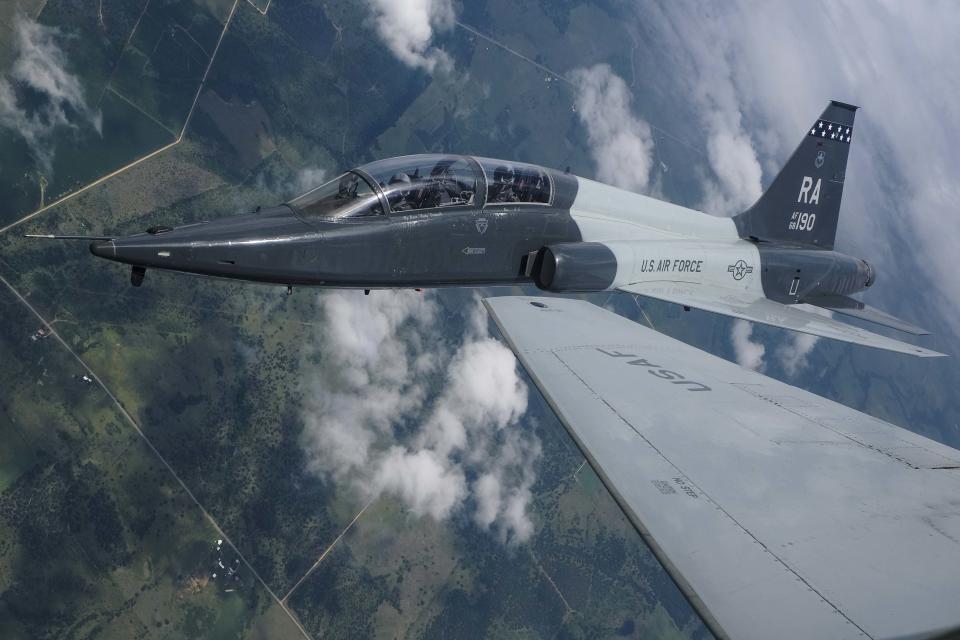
{"x":685,"y":588}
{"x":680,"y":471}
{"x":853,"y":437}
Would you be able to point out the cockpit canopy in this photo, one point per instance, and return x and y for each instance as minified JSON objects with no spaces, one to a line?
{"x":426,"y":182}
{"x":515,"y":182}
{"x":349,"y":196}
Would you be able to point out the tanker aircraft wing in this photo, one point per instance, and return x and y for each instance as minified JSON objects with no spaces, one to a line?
{"x":778,"y":513}
{"x":743,"y":305}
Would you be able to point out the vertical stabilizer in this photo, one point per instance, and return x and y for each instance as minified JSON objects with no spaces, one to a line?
{"x":802,"y":203}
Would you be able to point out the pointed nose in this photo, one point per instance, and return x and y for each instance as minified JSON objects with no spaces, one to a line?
{"x":103,"y":249}
{"x":231,"y":246}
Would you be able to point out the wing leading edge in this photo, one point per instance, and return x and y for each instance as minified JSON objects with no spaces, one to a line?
{"x":740,"y":304}
{"x":778,"y":513}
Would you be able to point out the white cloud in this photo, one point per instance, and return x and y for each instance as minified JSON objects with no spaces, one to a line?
{"x":366,"y":380}
{"x":748,"y":352}
{"x":502,"y":493}
{"x":374,"y":425}
{"x":482,"y":392}
{"x":620,"y":142}
{"x":424,"y":480}
{"x":274,"y":186}
{"x":792,"y":356}
{"x":737,"y":171}
{"x":706,"y":60}
{"x":794,"y":353}
{"x":40,"y":68}
{"x":407,"y":28}
{"x":306,"y":179}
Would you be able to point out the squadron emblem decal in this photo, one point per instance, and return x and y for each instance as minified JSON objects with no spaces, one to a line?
{"x":739,"y":269}
{"x":482,"y":225}
{"x":821,"y":156}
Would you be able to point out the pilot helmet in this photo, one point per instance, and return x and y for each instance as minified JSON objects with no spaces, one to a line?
{"x":503,"y":175}
{"x":349,"y":184}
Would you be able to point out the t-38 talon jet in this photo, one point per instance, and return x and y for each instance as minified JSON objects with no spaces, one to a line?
{"x":441,"y":220}
{"x":780,"y":514}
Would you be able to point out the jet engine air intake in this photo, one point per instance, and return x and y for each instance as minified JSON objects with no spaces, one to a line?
{"x":575,"y":266}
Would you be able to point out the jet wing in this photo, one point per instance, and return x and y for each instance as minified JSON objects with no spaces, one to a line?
{"x":779,"y":514}
{"x":742,"y":304}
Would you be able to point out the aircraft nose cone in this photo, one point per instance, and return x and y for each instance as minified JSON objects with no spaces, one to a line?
{"x":103,"y":249}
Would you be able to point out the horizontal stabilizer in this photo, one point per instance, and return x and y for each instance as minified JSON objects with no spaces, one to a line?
{"x":856,"y":309}
{"x":740,"y":304}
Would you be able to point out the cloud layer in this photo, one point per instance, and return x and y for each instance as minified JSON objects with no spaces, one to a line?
{"x":40,"y":97}
{"x":407,"y":27}
{"x":376,"y":424}
{"x":620,"y":142}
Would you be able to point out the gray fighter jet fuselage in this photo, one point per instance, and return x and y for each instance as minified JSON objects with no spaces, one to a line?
{"x":448,"y":220}
{"x":414,"y":221}
{"x":436,"y":220}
